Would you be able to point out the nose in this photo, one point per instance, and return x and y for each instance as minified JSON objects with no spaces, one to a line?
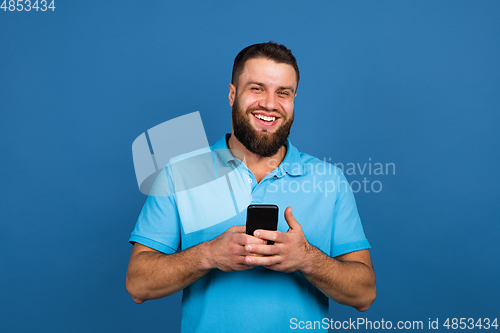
{"x":269,"y":102}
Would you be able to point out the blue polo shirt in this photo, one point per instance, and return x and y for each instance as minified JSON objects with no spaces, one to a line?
{"x":204,"y":193}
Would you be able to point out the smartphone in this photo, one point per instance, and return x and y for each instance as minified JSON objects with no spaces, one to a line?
{"x":262,"y":217}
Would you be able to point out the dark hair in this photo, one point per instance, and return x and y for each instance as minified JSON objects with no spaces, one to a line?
{"x":271,"y":50}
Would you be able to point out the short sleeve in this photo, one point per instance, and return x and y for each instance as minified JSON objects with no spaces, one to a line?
{"x":347,"y":232}
{"x":158,"y":225}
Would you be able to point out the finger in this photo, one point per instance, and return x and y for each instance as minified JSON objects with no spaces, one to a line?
{"x":275,"y":267}
{"x":275,"y":236}
{"x":263,"y":249}
{"x":255,"y":240}
{"x":237,"y":228}
{"x":244,"y":239}
{"x":292,"y":222}
{"x":262,"y":261}
{"x":239,"y":253}
{"x":242,"y":267}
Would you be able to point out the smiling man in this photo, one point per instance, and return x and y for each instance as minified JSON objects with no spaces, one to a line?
{"x":236,"y":282}
{"x":262,"y":120}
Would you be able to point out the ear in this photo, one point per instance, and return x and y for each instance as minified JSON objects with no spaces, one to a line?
{"x":232,"y":94}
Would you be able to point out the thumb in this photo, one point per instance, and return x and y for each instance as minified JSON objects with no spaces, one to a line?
{"x":292,"y":222}
{"x":237,"y":228}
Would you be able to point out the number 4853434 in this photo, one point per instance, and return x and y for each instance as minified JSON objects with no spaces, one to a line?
{"x":27,"y":5}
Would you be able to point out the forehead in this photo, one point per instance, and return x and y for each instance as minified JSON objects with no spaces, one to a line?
{"x":268,"y":72}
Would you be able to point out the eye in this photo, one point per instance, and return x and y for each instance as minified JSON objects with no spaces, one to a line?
{"x":256,"y":89}
{"x":283,"y":93}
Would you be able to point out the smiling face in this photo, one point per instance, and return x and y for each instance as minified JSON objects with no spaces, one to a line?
{"x":263,"y":105}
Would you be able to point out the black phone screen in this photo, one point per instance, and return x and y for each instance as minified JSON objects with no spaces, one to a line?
{"x":262,"y":217}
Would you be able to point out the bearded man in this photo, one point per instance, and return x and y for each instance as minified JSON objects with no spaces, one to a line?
{"x":236,"y":282}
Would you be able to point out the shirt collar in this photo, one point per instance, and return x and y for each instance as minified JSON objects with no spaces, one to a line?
{"x":291,"y":164}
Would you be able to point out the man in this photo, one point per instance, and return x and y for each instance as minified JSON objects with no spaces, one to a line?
{"x":236,"y":282}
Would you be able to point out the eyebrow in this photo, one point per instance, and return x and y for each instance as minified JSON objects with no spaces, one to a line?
{"x":263,"y":85}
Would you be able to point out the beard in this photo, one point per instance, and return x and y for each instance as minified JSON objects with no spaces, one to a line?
{"x":263,"y":144}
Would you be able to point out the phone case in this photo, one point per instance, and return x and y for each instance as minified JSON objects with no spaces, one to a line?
{"x":262,"y":217}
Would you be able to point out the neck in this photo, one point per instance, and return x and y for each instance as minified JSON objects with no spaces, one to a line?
{"x":259,"y":165}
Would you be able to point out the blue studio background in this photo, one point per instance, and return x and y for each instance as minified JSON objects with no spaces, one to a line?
{"x":413,"y":83}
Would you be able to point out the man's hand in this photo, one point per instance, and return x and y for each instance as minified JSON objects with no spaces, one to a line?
{"x":347,"y":279}
{"x":227,"y":252}
{"x":153,"y":274}
{"x":289,"y":252}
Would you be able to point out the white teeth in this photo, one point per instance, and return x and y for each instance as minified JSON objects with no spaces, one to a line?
{"x":259,"y":116}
